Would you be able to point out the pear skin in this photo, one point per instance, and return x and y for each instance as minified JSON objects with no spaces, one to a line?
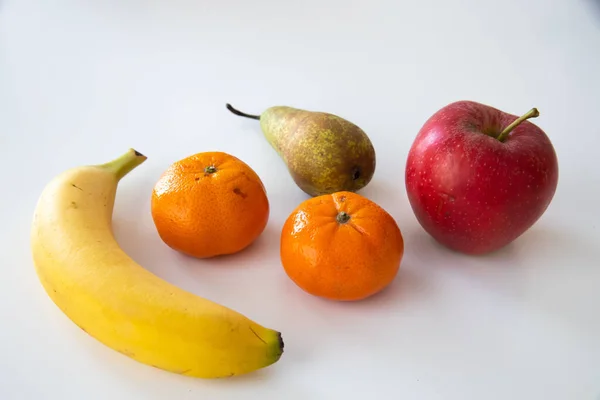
{"x":324,"y":153}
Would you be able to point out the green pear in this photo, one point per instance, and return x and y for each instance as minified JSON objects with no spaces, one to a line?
{"x":324,"y":153}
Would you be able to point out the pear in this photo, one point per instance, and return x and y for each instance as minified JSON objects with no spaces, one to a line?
{"x":324,"y":153}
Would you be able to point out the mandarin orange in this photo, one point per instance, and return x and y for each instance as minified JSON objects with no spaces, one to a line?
{"x":209,"y":204}
{"x":341,"y":246}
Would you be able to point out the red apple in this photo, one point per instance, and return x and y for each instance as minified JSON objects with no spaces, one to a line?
{"x":477,"y":178}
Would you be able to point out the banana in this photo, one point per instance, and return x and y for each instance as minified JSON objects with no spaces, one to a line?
{"x":118,"y":302}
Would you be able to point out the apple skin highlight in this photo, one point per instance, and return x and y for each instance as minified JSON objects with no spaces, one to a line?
{"x":472,"y":192}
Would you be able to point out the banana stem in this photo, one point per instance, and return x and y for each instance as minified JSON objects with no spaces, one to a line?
{"x":125,"y":163}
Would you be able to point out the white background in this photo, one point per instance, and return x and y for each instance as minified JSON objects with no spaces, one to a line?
{"x":81,"y":81}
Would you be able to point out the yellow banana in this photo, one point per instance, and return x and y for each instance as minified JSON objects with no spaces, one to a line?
{"x":121,"y":304}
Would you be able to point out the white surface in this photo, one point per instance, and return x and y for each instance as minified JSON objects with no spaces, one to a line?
{"x":82,"y":81}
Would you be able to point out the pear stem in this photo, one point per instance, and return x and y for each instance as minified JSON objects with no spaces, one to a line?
{"x":125,"y":163}
{"x":533,"y":113}
{"x":241,"y":114}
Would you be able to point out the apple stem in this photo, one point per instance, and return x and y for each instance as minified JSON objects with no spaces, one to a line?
{"x":533,"y":113}
{"x":241,"y":114}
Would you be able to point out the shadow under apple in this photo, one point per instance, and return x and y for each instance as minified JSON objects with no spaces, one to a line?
{"x":538,"y":239}
{"x":511,"y":270}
